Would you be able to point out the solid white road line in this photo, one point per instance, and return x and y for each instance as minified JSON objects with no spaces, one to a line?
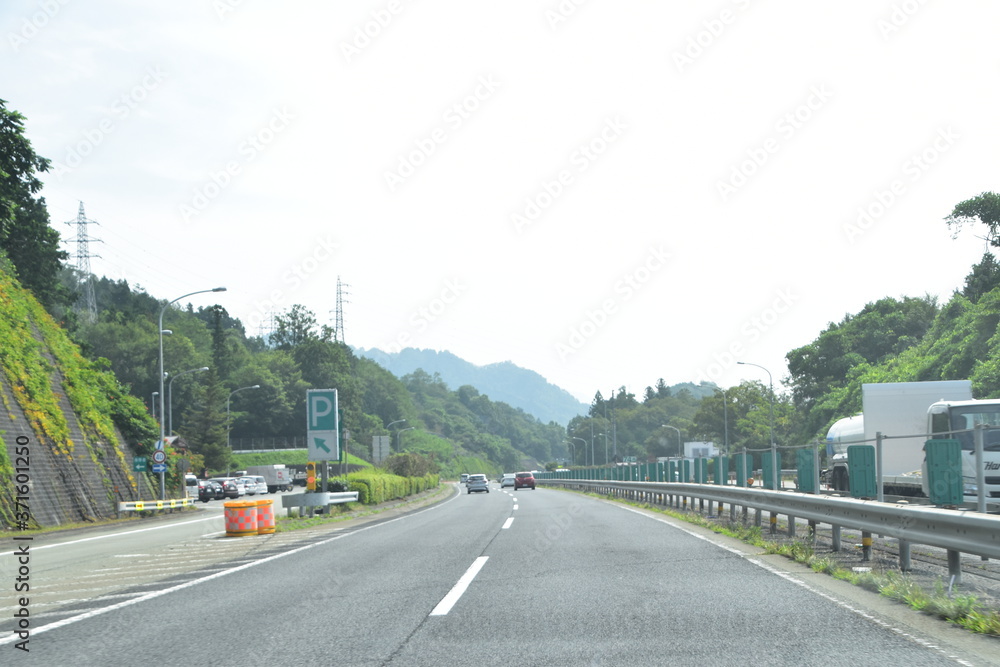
{"x":449,"y":600}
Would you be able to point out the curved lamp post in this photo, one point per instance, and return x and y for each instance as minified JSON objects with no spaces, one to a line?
{"x":229,"y":426}
{"x":680,"y":446}
{"x":170,"y":396}
{"x":160,"y":444}
{"x":774,"y":450}
{"x":584,"y":448}
{"x":399,"y":433}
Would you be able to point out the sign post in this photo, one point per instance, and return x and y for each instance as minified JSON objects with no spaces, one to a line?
{"x":322,"y":432}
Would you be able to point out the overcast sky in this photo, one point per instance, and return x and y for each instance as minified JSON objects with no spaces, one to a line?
{"x":607,"y":193}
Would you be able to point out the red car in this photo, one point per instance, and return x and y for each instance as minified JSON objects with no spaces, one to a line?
{"x":524,"y":480}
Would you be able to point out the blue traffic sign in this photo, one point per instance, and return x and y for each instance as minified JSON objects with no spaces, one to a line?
{"x":159,"y":467}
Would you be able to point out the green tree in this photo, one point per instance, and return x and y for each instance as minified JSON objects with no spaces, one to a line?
{"x":983,"y":278}
{"x":984,"y":209}
{"x":205,"y":425}
{"x":26,"y":237}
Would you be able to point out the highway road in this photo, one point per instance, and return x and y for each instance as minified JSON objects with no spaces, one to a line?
{"x":541,"y":577}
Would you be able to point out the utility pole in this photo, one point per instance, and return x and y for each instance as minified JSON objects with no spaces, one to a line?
{"x":83,"y":239}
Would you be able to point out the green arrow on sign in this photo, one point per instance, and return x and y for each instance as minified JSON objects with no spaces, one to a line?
{"x":321,"y":444}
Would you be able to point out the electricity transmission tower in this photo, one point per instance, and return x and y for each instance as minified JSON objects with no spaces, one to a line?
{"x":338,"y":325}
{"x":83,"y":239}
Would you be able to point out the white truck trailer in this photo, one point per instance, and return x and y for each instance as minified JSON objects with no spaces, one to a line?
{"x":920,"y":410}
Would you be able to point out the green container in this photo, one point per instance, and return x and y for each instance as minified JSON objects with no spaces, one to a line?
{"x":861,"y":471}
{"x":944,"y":471}
{"x":721,"y":469}
{"x":804,"y":465}
{"x":744,"y":468}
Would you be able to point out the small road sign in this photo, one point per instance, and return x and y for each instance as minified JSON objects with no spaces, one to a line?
{"x":159,"y":467}
{"x":159,"y":456}
{"x":139,"y":464}
{"x":322,"y":425}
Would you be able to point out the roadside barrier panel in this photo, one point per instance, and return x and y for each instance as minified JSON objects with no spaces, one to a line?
{"x":241,"y":518}
{"x":146,"y":505}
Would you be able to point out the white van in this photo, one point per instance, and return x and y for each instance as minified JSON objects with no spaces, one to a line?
{"x":191,"y":484}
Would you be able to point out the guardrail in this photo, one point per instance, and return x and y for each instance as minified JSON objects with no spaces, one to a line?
{"x":957,"y":531}
{"x":144,"y":505}
{"x":317,"y":499}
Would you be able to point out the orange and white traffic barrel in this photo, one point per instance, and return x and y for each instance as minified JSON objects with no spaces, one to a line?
{"x":241,"y":518}
{"x":265,"y":516}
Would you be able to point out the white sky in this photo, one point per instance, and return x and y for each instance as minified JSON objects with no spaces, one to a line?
{"x":247,"y":143}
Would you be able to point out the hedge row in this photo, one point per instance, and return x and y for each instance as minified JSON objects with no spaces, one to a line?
{"x":375,"y":487}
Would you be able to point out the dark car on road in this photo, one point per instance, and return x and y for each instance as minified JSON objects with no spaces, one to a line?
{"x":210,"y":490}
{"x":229,"y":488}
{"x":524,"y":480}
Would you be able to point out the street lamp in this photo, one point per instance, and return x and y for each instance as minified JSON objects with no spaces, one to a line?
{"x":572,"y":452}
{"x":170,"y":396}
{"x":725,"y":420}
{"x":680,"y":447}
{"x":229,"y":427}
{"x":774,"y":450}
{"x":152,"y":403}
{"x":606,"y":459}
{"x":389,"y":425}
{"x":160,"y":444}
{"x":584,"y":448}
{"x":399,"y":433}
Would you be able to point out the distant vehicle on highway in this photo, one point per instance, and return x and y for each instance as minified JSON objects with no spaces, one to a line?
{"x":507,"y":480}
{"x":524,"y":480}
{"x":478,"y":483}
{"x":464,"y":479}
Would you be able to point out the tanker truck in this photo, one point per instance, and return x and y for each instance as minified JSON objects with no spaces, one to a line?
{"x":920,"y":410}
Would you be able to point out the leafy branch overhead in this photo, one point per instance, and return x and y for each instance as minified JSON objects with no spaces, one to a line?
{"x":984,"y":209}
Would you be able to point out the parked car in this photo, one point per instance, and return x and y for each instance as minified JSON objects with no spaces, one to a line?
{"x":206,"y":491}
{"x":507,"y":480}
{"x":255,"y":484}
{"x":192,"y":486}
{"x":220,"y":492}
{"x":478,"y":483}
{"x":230,"y":489}
{"x":524,"y":480}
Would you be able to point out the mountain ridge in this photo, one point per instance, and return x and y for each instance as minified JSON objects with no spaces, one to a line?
{"x":502,"y":381}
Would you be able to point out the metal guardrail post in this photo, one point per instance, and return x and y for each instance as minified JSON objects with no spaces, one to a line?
{"x":905,"y":564}
{"x":980,"y":469}
{"x":866,"y":546}
{"x":955,"y":566}
{"x":879,"y":489}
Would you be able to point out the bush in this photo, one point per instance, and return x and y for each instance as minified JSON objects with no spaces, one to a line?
{"x":375,"y":487}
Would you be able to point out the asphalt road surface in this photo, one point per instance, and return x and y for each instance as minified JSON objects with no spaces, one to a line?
{"x":540,"y":577}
